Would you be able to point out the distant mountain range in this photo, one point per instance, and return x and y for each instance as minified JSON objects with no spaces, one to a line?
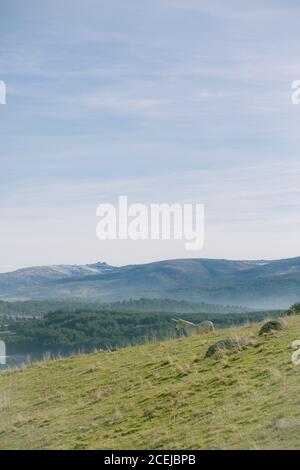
{"x":259,"y":284}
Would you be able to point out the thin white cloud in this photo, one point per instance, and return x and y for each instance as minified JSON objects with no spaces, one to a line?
{"x":110,"y":100}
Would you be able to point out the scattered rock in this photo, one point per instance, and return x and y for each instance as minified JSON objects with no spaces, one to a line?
{"x":229,"y":346}
{"x":277,"y":325}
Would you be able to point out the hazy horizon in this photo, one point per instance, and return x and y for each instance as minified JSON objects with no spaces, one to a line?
{"x":15,"y":268}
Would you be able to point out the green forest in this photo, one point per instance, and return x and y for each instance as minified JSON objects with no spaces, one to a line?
{"x":65,"y":331}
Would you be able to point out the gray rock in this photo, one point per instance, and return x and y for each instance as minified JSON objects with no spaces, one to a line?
{"x":278,"y":324}
{"x":229,"y":346}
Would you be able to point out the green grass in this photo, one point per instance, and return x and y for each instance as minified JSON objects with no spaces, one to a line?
{"x":159,"y":396}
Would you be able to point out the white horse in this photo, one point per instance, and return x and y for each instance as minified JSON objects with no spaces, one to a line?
{"x":187,"y":327}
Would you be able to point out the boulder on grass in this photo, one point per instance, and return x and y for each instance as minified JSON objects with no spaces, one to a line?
{"x":276,"y":325}
{"x":228,"y":346}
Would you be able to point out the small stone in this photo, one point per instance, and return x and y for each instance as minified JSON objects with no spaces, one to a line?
{"x":276,"y":325}
{"x":228,"y":346}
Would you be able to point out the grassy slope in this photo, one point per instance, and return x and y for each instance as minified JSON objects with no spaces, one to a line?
{"x":163,"y":395}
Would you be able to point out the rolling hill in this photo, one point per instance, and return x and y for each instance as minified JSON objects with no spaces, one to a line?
{"x":260,"y":284}
{"x":163,"y":395}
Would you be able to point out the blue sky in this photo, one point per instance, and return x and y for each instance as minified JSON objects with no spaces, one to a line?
{"x":164,"y":101}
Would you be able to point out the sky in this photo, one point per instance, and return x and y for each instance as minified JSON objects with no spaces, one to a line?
{"x":163,"y":101}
